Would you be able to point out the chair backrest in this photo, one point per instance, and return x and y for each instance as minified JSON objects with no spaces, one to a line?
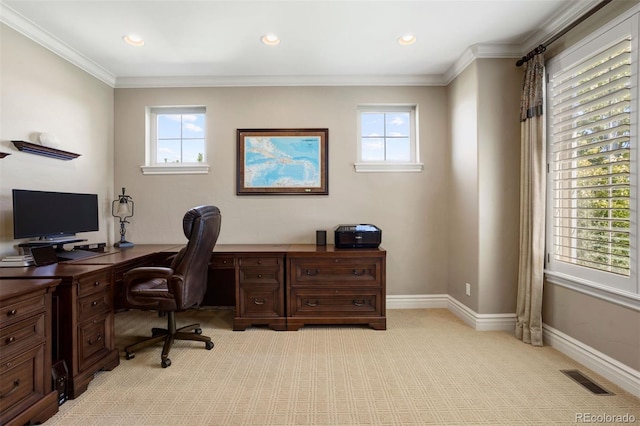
{"x":201,"y":226}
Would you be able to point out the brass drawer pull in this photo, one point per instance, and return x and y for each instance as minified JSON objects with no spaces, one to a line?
{"x":259,"y":262}
{"x":10,"y":340}
{"x":259,"y":301}
{"x":358,"y":302}
{"x":96,"y":284}
{"x":356,"y":272}
{"x":312,"y":304}
{"x":94,"y":303}
{"x":259,"y":275}
{"x":12,"y":312}
{"x":16,"y":384}
{"x":311,"y":273}
{"x":92,"y":342}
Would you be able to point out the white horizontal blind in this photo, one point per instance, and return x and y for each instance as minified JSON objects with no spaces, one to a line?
{"x":590,"y":161}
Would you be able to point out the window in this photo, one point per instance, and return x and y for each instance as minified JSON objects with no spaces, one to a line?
{"x":176,"y":140}
{"x":592,"y":152}
{"x":387,"y":138}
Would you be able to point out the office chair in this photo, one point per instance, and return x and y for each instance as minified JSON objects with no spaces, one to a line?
{"x":178,"y":287}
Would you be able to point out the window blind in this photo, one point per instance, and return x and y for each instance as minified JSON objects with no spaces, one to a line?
{"x":590,"y":161}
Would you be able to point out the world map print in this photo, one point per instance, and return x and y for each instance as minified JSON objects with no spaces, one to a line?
{"x":282,"y":161}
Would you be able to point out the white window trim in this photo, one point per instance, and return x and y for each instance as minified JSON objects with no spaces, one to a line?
{"x":390,"y":166}
{"x":151,"y":167}
{"x":564,"y":278}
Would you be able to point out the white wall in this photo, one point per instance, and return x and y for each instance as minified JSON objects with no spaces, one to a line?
{"x":41,"y":92}
{"x":408,"y":207}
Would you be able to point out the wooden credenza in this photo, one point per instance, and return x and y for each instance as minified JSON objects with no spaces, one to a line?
{"x":26,"y":391}
{"x":336,"y":286}
{"x":288,"y":286}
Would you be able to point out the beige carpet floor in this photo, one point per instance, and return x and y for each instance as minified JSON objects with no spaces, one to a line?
{"x":427,"y":368}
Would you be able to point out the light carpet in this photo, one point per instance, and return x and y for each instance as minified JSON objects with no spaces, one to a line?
{"x":427,"y":368}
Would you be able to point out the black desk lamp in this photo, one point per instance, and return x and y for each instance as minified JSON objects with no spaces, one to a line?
{"x":122,"y":208}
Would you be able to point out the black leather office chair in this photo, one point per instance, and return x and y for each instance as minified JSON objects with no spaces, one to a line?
{"x":176,"y":288}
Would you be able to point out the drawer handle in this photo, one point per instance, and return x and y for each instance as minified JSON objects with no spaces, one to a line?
{"x":259,"y":262}
{"x":358,"y":302}
{"x":357,"y":272}
{"x":258,"y":301}
{"x":311,"y":273}
{"x":96,"y":284}
{"x":12,"y":312}
{"x":312,"y":304}
{"x":259,"y":275}
{"x":10,"y":340}
{"x":94,"y":303}
{"x":16,"y":384}
{"x":92,"y":342}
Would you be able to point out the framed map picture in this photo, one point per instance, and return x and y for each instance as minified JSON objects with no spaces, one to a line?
{"x":282,"y":161}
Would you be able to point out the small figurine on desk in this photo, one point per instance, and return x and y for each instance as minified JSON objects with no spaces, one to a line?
{"x":122,"y":208}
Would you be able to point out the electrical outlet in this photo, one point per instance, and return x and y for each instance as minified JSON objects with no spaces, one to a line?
{"x":468,"y":289}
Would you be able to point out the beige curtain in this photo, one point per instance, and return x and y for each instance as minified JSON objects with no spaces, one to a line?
{"x":532,"y":205}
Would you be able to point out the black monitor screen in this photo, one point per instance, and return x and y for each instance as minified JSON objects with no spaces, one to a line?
{"x":50,"y":214}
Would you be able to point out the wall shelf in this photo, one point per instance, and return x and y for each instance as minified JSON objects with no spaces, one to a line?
{"x":33,"y":148}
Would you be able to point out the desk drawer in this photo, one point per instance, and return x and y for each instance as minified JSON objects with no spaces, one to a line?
{"x":259,"y":261}
{"x":21,"y":382}
{"x":348,"y":271}
{"x":22,"y":309}
{"x":92,"y":338}
{"x":22,"y":335}
{"x":335,"y":302}
{"x":261,"y":301}
{"x":94,"y":304}
{"x":222,"y":261}
{"x":93,"y":283}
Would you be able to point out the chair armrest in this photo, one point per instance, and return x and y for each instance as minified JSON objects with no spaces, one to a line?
{"x":147,"y":273}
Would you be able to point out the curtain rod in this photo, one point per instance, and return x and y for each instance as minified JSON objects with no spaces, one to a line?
{"x":541,"y":48}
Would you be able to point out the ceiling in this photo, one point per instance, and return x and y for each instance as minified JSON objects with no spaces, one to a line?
{"x":216,"y":42}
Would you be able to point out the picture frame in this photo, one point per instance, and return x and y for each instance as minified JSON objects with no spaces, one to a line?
{"x":282,"y":161}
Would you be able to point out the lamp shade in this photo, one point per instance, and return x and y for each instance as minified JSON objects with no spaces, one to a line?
{"x":123,"y":208}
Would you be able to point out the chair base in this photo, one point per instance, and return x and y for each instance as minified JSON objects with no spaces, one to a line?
{"x":168,"y":335}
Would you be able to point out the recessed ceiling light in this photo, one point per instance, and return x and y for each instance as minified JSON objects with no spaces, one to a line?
{"x":134,"y":40}
{"x":406,"y":40}
{"x":270,"y":39}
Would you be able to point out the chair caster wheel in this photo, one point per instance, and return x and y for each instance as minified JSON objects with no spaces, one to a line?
{"x":208,"y":345}
{"x":198,"y":331}
{"x":130,"y":355}
{"x":166,"y":363}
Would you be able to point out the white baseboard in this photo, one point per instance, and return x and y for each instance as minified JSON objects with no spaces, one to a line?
{"x":480,"y":322}
{"x":620,"y":374}
{"x":418,"y":301}
{"x":616,"y":372}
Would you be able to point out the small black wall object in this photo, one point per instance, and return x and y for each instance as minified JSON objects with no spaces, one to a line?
{"x":321,"y":238}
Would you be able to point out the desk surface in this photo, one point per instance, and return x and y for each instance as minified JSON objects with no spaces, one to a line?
{"x":17,"y":287}
{"x":115,"y":256}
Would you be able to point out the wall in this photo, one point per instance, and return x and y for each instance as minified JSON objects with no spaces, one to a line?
{"x":41,"y":92}
{"x":463,"y":255}
{"x":484,"y":196}
{"x":499,"y":86}
{"x":408,"y":207}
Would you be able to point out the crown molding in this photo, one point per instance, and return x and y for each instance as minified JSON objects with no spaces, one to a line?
{"x":19,"y":23}
{"x":559,"y":21}
{"x":278,"y":80}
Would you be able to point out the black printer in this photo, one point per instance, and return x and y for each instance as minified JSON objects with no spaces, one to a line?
{"x":358,"y":236}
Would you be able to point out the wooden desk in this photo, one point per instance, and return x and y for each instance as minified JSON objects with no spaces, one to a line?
{"x":27,"y":395}
{"x":82,"y":316}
